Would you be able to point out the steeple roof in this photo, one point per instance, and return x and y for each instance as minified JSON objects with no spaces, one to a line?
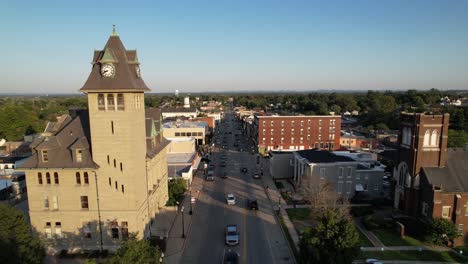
{"x":125,"y":77}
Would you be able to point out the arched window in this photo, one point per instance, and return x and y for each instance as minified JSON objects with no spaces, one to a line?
{"x":408,"y":134}
{"x":78,"y":178}
{"x":434,"y":137}
{"x":39,"y":178}
{"x":427,"y":136}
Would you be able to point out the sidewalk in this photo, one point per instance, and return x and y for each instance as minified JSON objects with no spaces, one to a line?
{"x":277,"y":201}
{"x":406,"y":248}
{"x":370,"y":236}
{"x":175,"y":243}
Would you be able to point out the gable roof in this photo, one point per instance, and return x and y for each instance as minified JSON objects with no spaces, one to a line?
{"x":125,"y":62}
{"x":60,"y":146}
{"x":454,"y":176}
{"x":321,"y":156}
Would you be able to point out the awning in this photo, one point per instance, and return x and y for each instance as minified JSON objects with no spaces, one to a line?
{"x":359,"y":188}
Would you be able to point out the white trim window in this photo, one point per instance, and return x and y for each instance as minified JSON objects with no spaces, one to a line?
{"x":446,"y":211}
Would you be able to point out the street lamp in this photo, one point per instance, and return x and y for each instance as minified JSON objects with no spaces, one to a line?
{"x":183,"y":228}
{"x":161,"y":257}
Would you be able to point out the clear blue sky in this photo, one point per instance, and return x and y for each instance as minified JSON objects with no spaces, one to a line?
{"x":222,"y":45}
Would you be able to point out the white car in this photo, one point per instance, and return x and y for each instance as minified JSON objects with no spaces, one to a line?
{"x":230,"y":199}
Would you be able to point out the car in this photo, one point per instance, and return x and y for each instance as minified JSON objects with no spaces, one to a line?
{"x":256,"y":175}
{"x":230,"y":199}
{"x":232,"y":236}
{"x":241,"y":149}
{"x":209,"y":176}
{"x":373,"y":261}
{"x":211,"y":166}
{"x":222,"y":164}
{"x":244,"y":170}
{"x":230,"y":257}
{"x":252,"y":204}
{"x":223,"y":157}
{"x":223,"y":175}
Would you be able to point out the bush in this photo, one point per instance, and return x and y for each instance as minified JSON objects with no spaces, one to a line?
{"x":442,"y":232}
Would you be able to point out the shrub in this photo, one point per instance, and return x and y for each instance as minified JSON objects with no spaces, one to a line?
{"x":177,"y":189}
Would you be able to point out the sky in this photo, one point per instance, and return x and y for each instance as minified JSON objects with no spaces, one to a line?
{"x":242,"y":45}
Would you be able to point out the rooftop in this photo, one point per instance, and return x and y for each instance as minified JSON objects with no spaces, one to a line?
{"x":322,"y":156}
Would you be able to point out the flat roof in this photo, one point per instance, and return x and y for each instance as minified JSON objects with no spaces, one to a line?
{"x":173,"y":158}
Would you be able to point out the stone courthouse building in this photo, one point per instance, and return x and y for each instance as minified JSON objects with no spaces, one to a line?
{"x":99,"y":174}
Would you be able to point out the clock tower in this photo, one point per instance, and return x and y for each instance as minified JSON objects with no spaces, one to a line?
{"x":116,"y":107}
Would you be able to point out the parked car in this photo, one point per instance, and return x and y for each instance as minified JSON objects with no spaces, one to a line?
{"x":232,"y":235}
{"x":244,"y":170}
{"x":256,"y":175}
{"x":223,"y":175}
{"x":252,"y":204}
{"x":230,"y":199}
{"x":209,"y":176}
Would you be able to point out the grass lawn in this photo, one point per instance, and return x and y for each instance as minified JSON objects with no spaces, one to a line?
{"x":364,"y":242}
{"x":298,"y":214}
{"x":392,"y":238}
{"x":464,"y":249}
{"x":413,"y":255}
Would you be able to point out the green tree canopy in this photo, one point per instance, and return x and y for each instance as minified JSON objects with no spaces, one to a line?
{"x":17,"y":243}
{"x":333,"y":240}
{"x":177,"y":189}
{"x":442,"y":232}
{"x":135,"y":251}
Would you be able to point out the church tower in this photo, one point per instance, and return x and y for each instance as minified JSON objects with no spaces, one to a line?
{"x":422,"y":143}
{"x":115,"y":93}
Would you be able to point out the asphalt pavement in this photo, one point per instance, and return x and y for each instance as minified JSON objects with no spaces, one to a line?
{"x":261,"y":238}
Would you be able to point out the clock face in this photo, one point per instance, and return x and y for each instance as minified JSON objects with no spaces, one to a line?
{"x":107,"y":70}
{"x":138,"y":71}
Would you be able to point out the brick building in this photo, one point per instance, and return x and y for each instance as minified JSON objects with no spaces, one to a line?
{"x":422,"y":143}
{"x":431,"y":181}
{"x":294,"y":132}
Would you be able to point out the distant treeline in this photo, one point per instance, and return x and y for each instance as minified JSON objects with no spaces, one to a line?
{"x":24,"y":115}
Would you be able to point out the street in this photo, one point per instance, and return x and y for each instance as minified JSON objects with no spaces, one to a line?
{"x":260,"y":236}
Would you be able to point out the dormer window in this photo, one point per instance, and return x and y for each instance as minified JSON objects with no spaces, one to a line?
{"x":45,"y":156}
{"x":79,"y":155}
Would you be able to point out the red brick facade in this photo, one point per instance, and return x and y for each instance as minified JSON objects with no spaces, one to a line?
{"x":298,"y":132}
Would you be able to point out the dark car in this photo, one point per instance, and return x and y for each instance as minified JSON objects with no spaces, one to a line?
{"x":230,"y":257}
{"x":222,"y":164}
{"x":252,"y":204}
{"x":244,"y":170}
{"x":223,"y":175}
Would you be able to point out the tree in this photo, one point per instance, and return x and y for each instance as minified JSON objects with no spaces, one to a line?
{"x":457,"y":139}
{"x":333,"y":240}
{"x":177,"y":189}
{"x":135,"y":251}
{"x":17,"y":243}
{"x":442,"y":232}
